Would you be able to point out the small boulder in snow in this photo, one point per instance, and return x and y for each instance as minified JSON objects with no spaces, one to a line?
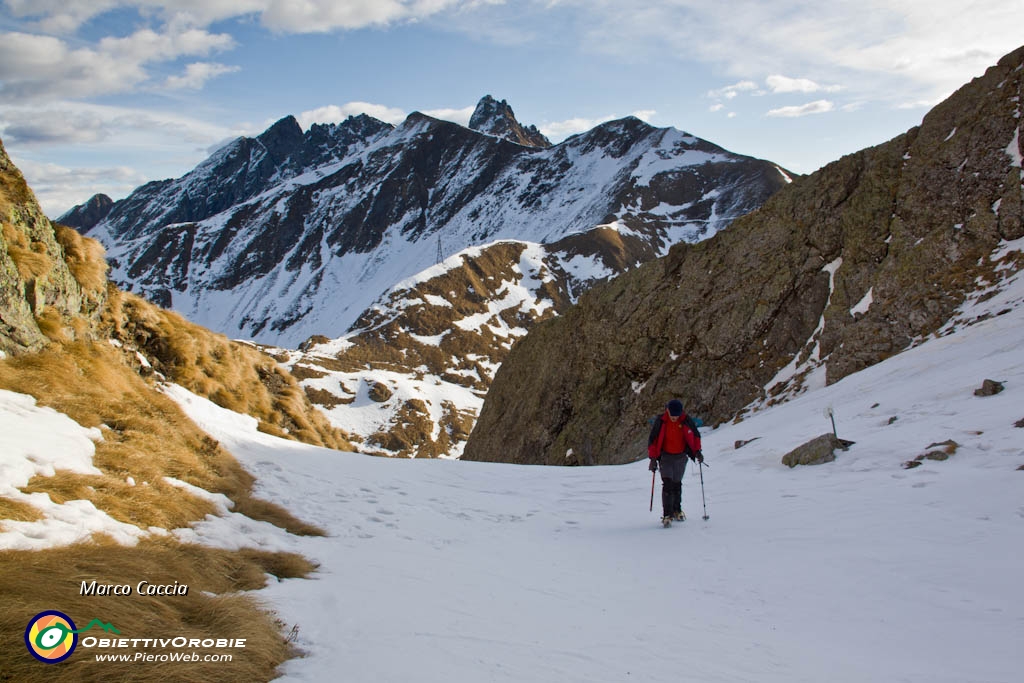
{"x":989,"y":387}
{"x":817,"y":451}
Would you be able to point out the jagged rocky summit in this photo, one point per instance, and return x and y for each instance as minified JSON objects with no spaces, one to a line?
{"x":497,"y":118}
{"x":840,"y":270}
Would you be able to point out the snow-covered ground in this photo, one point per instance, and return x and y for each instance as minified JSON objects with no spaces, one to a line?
{"x":857,"y":570}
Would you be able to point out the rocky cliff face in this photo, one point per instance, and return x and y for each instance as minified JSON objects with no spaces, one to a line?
{"x":52,"y":282}
{"x":835,"y":272}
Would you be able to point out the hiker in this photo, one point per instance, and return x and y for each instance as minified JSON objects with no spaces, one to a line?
{"x":673,"y":438}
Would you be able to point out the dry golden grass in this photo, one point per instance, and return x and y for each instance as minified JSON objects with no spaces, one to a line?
{"x":146,"y":437}
{"x":30,"y":258}
{"x":84,"y":257}
{"x":31,"y":582}
{"x":51,"y":324}
{"x":232,"y":375}
{"x":14,"y":191}
{"x":17,"y":511}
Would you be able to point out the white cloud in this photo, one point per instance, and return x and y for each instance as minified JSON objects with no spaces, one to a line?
{"x":81,"y":124}
{"x":782,"y":84}
{"x":40,"y":67}
{"x":167,"y":144}
{"x":285,"y":16}
{"x":334,"y":113}
{"x":48,"y":126}
{"x":875,"y":48}
{"x":459,"y":116}
{"x":557,"y":131}
{"x":731,"y":91}
{"x":716,"y":107}
{"x":816,"y":107}
{"x":324,"y":16}
{"x":58,"y":188}
{"x":931,"y":45}
{"x":59,"y":16}
{"x":918,"y":104}
{"x":67,"y":16}
{"x":196,"y":75}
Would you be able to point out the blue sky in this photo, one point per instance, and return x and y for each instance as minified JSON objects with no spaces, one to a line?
{"x":105,"y":95}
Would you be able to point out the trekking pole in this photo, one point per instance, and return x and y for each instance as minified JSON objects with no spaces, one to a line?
{"x":652,"y":491}
{"x":702,"y":491}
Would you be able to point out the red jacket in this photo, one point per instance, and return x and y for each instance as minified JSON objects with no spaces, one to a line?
{"x":667,"y":436}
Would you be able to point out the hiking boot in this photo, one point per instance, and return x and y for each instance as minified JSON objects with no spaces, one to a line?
{"x":666,"y":521}
{"x":679,"y":516}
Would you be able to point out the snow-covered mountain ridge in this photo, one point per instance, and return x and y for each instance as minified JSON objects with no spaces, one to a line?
{"x":293,"y":239}
{"x":293,"y":234}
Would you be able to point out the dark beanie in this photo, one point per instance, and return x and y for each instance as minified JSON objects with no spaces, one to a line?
{"x":675,"y":407}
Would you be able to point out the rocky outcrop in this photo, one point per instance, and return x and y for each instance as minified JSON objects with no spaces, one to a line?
{"x":497,"y":118}
{"x":834,"y":273}
{"x":52,"y":281}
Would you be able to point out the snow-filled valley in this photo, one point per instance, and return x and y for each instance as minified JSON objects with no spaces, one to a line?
{"x":855,"y":570}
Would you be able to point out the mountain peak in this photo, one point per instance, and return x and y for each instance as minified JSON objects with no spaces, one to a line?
{"x":497,"y":118}
{"x":282,"y":138}
{"x":84,"y":216}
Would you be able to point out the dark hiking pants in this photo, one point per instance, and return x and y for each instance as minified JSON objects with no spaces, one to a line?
{"x":673,"y":467}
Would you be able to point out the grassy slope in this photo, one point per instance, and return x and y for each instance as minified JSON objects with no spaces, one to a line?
{"x":104,"y":371}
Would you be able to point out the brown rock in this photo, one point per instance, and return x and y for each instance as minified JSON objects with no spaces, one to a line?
{"x":989,"y":387}
{"x":817,"y":451}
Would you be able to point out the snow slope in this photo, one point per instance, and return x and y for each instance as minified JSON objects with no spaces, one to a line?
{"x":441,"y":570}
{"x":858,"y":570}
{"x":38,"y":441}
